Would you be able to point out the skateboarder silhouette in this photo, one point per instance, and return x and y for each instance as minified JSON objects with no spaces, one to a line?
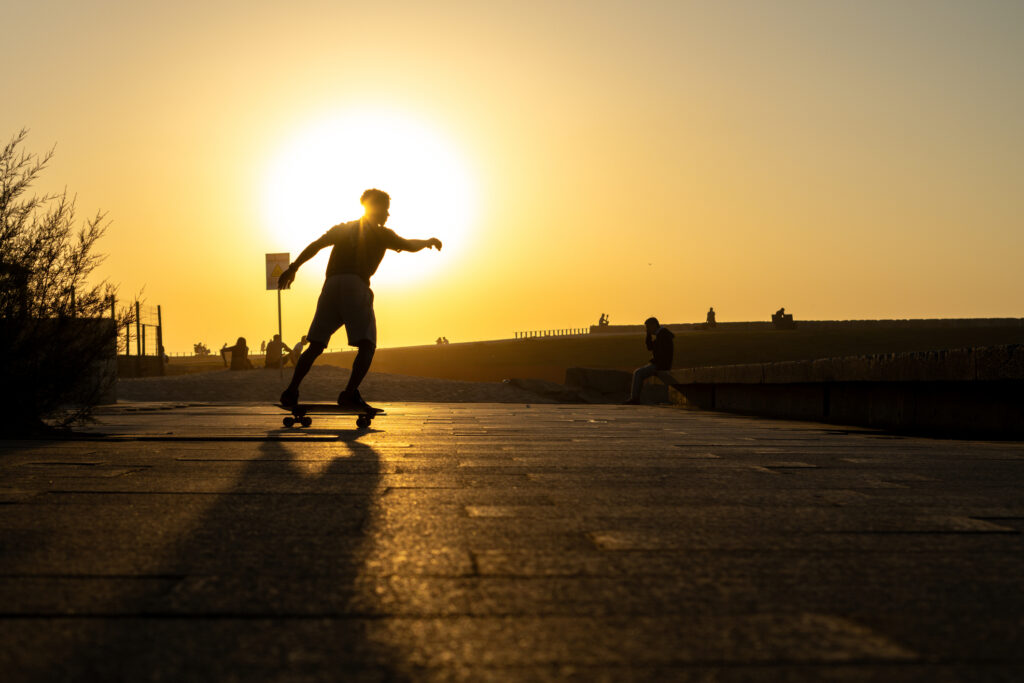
{"x":346,"y":298}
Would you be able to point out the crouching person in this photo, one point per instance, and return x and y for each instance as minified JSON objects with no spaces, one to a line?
{"x":659,"y":342}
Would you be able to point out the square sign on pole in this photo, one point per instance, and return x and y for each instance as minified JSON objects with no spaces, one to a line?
{"x":276,"y":264}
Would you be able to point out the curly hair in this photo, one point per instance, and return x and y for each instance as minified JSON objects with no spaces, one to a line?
{"x":376,"y":196}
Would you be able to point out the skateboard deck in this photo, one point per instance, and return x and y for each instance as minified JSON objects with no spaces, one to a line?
{"x":300,"y":413}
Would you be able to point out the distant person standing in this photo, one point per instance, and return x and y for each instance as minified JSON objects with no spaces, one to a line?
{"x":275,"y":351}
{"x":263,"y":347}
{"x":357,"y":248}
{"x":711,"y":317}
{"x":659,"y":342}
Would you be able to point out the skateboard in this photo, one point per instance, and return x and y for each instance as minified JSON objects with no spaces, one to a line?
{"x":300,"y":414}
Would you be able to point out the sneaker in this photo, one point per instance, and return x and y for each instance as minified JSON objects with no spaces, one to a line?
{"x":354,"y":401}
{"x":290,"y":397}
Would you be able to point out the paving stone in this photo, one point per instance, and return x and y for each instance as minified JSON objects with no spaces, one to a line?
{"x":500,"y":542}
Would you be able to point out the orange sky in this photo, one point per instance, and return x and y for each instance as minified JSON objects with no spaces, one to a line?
{"x":845,"y":160}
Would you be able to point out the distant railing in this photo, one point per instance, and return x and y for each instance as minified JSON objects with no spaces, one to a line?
{"x":565,"y":332}
{"x":215,"y":355}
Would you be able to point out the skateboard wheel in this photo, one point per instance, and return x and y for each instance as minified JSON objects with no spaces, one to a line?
{"x":288,"y":421}
{"x":362,"y":422}
{"x":306,"y":421}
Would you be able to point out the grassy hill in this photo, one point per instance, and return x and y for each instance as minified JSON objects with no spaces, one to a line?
{"x":547,"y":358}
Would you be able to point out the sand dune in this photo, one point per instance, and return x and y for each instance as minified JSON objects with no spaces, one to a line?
{"x":322,"y":384}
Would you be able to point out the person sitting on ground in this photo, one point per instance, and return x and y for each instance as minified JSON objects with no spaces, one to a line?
{"x":274,"y":352}
{"x":659,"y":342}
{"x":293,"y":355}
{"x":711,"y":317}
{"x":239,"y":355}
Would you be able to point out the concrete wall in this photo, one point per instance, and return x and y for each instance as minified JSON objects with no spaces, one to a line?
{"x":960,"y":392}
{"x":139,"y":366}
{"x":98,"y":384}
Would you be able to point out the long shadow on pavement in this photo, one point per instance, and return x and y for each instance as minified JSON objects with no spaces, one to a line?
{"x":266,"y":581}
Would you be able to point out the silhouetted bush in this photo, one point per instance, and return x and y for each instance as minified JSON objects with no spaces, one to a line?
{"x":56,"y":347}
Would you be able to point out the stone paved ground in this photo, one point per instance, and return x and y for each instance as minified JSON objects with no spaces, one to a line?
{"x":508,"y":542}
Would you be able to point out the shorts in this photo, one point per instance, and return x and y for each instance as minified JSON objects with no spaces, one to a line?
{"x":346,"y":300}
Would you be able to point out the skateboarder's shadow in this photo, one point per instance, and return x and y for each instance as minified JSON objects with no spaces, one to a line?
{"x":289,"y":542}
{"x":268,"y":575}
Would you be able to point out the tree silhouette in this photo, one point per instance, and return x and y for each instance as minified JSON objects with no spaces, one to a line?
{"x":53,"y":339}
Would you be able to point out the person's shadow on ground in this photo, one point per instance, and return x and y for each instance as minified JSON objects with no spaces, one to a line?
{"x":265,"y":580}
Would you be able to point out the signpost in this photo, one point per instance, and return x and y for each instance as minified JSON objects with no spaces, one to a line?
{"x":277,"y":264}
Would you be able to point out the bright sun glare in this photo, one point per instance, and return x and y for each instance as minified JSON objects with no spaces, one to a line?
{"x":316,"y":178}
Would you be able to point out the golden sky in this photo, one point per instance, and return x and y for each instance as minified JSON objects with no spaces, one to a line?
{"x":842,"y":159}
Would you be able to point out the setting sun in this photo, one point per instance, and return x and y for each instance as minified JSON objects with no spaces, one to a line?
{"x":315,"y":179}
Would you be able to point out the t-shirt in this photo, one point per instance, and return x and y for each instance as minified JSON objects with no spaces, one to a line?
{"x":274,"y":349}
{"x":358,"y":248}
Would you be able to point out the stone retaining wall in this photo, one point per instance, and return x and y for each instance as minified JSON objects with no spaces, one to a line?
{"x":977,"y":391}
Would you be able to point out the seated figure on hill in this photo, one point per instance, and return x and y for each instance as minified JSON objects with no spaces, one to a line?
{"x":275,"y":350}
{"x":239,"y":355}
{"x":783,"y":320}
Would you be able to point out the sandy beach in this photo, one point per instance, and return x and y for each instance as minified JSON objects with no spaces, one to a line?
{"x":322,"y":384}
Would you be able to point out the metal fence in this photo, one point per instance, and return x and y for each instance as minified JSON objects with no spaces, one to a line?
{"x":140,"y":334}
{"x":564,"y":332}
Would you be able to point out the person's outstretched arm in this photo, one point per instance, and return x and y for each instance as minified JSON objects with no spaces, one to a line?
{"x":402,"y":244}
{"x":284,"y":281}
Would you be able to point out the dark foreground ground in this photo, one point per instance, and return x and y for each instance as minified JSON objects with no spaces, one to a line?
{"x":508,"y":542}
